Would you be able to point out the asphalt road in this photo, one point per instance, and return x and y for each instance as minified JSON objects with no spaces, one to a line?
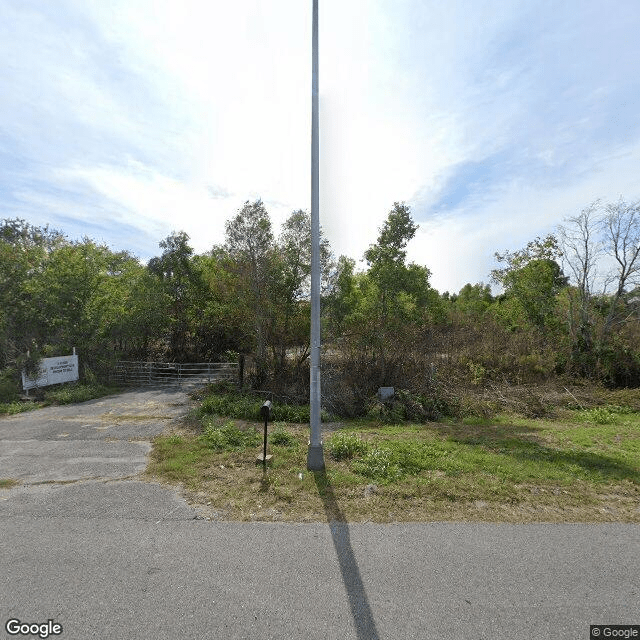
{"x":87,"y":545}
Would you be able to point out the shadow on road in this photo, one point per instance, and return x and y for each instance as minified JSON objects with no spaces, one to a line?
{"x":360,"y":609}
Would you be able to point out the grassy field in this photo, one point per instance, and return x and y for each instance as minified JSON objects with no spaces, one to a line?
{"x":582,"y":466}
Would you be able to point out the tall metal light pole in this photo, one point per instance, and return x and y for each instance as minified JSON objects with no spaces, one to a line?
{"x":315,"y":456}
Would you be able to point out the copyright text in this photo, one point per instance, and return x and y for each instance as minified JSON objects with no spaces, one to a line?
{"x":15,"y":627}
{"x":599,"y":631}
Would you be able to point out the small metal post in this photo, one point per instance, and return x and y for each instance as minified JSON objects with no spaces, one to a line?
{"x":265,"y":412}
{"x":264,"y":447}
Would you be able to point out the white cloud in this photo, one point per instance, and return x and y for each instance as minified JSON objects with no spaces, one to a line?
{"x":459,"y":248}
{"x":136,"y":110}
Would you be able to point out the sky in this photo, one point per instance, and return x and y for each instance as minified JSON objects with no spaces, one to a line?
{"x":494,"y":120}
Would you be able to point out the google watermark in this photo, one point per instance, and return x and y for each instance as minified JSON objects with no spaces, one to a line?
{"x":599,"y":631}
{"x":15,"y":627}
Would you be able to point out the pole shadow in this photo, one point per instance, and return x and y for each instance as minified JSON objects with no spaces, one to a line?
{"x":358,"y":603}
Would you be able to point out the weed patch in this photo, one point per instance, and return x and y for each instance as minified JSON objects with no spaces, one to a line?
{"x":377,"y":464}
{"x":247,"y":407}
{"x":280,"y":437}
{"x":344,"y":446}
{"x":12,"y":408}
{"x":600,"y":415}
{"x":60,"y":396}
{"x":229,"y":437}
{"x":76,"y":393}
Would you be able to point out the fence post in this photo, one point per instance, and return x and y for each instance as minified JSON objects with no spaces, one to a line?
{"x":241,"y":371}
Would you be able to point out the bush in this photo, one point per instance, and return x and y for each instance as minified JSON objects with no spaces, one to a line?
{"x":230,"y":438}
{"x":282,"y":438}
{"x":9,"y":387}
{"x":599,"y":415}
{"x":377,"y":464}
{"x":346,"y":446}
{"x":246,"y":407}
{"x":222,"y":386}
{"x":232,"y":406}
{"x":11,"y":408}
{"x":413,"y":407}
{"x":290,"y":412}
{"x":76,"y":393}
{"x":389,"y":412}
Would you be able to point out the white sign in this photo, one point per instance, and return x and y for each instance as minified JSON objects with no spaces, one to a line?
{"x":53,"y":371}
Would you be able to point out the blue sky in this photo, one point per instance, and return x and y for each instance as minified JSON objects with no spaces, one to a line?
{"x":494,"y":120}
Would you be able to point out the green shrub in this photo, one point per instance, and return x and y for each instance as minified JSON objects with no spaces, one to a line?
{"x":290,"y":412}
{"x":377,"y":464}
{"x":247,"y":407}
{"x":89,"y":378}
{"x":11,"y":408}
{"x":388,"y":412}
{"x":344,"y":446}
{"x":599,"y":415}
{"x":222,"y":386}
{"x":231,"y":405}
{"x":9,"y":387}
{"x":76,"y":393}
{"x":230,"y":438}
{"x":477,"y":373}
{"x":282,"y":438}
{"x":412,"y":407}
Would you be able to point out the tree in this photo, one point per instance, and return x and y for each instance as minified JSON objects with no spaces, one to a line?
{"x":249,"y":242}
{"x":132,"y":306}
{"x":24,"y":250}
{"x":290,"y":288}
{"x":224,"y":320}
{"x":473,"y":299}
{"x":386,"y":258}
{"x":394,"y":296}
{"x":175,"y":271}
{"x":581,"y":249}
{"x":533,"y":278}
{"x":602,"y":249}
{"x":621,"y":224}
{"x":343,"y":296}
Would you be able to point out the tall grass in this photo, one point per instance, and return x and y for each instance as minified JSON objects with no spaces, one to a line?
{"x":67,"y":394}
{"x":247,"y":407}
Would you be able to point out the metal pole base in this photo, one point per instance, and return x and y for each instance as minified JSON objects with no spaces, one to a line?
{"x":315,"y":458}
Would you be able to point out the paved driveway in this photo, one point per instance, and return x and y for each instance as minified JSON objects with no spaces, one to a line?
{"x":87,"y":545}
{"x":85,"y":459}
{"x":107,"y":438}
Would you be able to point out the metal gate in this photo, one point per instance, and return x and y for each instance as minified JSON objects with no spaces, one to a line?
{"x":129,"y":372}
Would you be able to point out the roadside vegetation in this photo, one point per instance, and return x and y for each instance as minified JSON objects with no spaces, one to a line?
{"x":65,"y":394}
{"x":563,"y":307}
{"x":581,"y":465}
{"x":512,"y":402}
